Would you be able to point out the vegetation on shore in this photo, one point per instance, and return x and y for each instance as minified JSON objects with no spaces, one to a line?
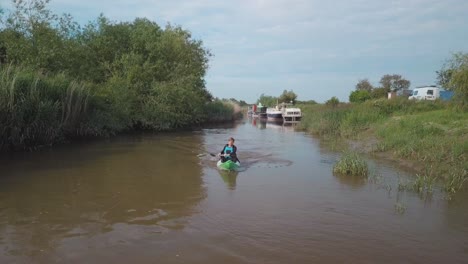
{"x":351,"y":164}
{"x":431,"y":135}
{"x":60,"y":80}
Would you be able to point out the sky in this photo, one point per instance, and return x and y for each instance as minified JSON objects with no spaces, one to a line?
{"x":318,"y":49}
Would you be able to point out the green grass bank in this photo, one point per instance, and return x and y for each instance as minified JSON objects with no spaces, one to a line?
{"x":431,"y":137}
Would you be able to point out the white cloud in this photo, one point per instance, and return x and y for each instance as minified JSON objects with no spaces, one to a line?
{"x":273,"y":45}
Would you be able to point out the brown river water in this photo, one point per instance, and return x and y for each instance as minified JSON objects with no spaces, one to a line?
{"x":159,"y":198}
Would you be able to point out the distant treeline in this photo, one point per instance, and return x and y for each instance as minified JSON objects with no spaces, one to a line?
{"x":60,"y":80}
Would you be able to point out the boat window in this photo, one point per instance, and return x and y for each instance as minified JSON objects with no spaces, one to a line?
{"x":430,"y":92}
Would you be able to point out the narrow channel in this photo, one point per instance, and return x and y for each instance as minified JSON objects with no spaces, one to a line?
{"x":159,"y":198}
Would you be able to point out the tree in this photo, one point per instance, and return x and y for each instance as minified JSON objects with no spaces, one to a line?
{"x":458,"y":77}
{"x":394,"y":82}
{"x":443,"y":78}
{"x":242,"y":103}
{"x":333,"y":102}
{"x":359,"y":96}
{"x":379,"y":92}
{"x":364,"y":85}
{"x":451,"y":66}
{"x":267,"y":100}
{"x":287,"y":97}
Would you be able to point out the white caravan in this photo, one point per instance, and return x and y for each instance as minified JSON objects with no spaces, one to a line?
{"x":425,"y":93}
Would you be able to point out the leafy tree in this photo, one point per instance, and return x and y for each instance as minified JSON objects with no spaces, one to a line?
{"x":394,"y":82}
{"x":287,"y":97}
{"x":267,"y":100}
{"x":379,"y":92}
{"x":458,"y":77}
{"x":129,"y":75}
{"x":449,"y":68}
{"x":459,"y":80}
{"x":364,"y":85}
{"x":333,"y":102}
{"x":359,"y":96}
{"x":242,"y":103}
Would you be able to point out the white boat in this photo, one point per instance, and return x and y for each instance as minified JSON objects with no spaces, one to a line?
{"x":292,"y":114}
{"x":274,"y":113}
{"x":284,"y":113}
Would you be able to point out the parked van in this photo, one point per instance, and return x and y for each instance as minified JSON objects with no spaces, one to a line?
{"x":425,"y":93}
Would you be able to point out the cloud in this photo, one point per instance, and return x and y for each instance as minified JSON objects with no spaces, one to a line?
{"x":319,"y":48}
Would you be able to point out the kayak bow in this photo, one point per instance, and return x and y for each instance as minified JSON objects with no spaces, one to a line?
{"x":228,"y":165}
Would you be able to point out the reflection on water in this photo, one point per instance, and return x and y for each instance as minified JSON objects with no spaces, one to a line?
{"x":83,"y":192}
{"x":161,"y":198}
{"x":352,"y":181}
{"x":229,"y":177}
{"x":263,"y":123}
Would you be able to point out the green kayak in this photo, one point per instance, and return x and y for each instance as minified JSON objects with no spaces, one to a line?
{"x":228,"y":165}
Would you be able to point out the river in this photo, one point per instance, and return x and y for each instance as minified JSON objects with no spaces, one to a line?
{"x":159,"y":198}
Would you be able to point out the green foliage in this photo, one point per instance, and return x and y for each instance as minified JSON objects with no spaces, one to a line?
{"x":267,"y":100}
{"x":68,"y":81}
{"x":359,"y":96}
{"x":36,"y":111}
{"x":309,"y":102}
{"x":333,"y":102}
{"x":378,"y":93}
{"x":455,"y":181}
{"x":457,"y":62}
{"x":287,"y":97}
{"x":422,"y":132}
{"x":323,"y":121}
{"x":364,"y":85}
{"x":394,"y":82}
{"x":459,"y":81}
{"x":219,"y":111}
{"x":351,"y":164}
{"x":423,"y":184}
{"x":243,"y":103}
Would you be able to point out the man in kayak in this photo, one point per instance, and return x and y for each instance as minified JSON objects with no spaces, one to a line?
{"x":229,"y":151}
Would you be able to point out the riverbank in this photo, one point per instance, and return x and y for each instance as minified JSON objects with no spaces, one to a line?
{"x":430,"y":137}
{"x":61,"y":81}
{"x":41,"y":110}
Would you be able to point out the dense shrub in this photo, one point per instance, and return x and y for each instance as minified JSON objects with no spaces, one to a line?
{"x":359,"y":96}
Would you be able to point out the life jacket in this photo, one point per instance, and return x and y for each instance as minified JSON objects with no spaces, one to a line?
{"x":228,"y":150}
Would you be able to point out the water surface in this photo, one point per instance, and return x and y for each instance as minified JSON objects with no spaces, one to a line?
{"x":160,"y":199}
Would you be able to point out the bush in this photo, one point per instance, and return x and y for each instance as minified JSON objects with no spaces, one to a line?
{"x":359,"y":96}
{"x":378,"y":93}
{"x":333,"y":102}
{"x":219,"y":111}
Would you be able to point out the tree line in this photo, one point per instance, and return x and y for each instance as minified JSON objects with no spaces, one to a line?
{"x":60,"y":80}
{"x":389,"y":82}
{"x":452,"y":76}
{"x":270,"y":101}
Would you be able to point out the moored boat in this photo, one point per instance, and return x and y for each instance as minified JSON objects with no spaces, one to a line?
{"x":291,"y":114}
{"x":274,"y":113}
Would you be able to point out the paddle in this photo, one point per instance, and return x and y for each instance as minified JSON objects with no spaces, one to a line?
{"x":219,"y":155}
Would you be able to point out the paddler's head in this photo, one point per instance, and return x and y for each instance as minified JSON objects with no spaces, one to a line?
{"x":231,"y":141}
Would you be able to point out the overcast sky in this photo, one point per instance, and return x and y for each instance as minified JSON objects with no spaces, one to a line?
{"x":319,"y":49}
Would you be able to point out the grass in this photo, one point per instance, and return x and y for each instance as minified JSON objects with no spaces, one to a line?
{"x":351,"y":164}
{"x":426,"y":134}
{"x":400,"y":208}
{"x":41,"y":110}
